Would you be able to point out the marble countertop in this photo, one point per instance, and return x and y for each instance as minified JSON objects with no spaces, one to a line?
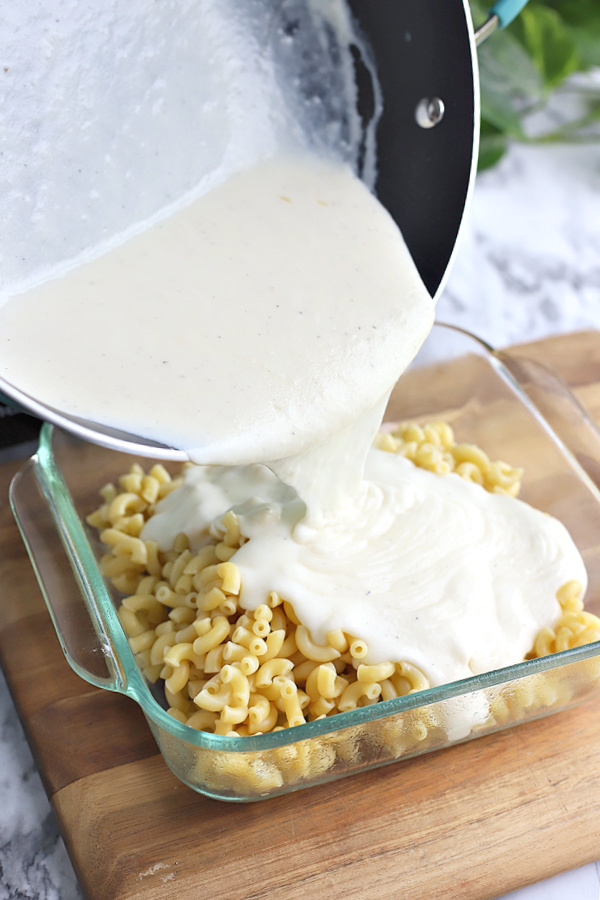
{"x":528,"y":266}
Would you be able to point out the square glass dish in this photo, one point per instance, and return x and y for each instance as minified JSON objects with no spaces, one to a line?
{"x":513,"y":408}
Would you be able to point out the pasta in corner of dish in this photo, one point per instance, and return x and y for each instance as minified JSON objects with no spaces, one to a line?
{"x":236,"y":672}
{"x":433,"y":447}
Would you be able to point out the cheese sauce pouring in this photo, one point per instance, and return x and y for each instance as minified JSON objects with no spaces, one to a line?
{"x":267,"y":322}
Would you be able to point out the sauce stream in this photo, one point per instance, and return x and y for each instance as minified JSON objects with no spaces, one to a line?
{"x":267,"y":322}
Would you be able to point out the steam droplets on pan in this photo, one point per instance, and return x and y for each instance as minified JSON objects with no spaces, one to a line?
{"x":130,"y":113}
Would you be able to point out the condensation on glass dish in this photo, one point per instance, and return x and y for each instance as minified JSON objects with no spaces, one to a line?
{"x":120,"y":113}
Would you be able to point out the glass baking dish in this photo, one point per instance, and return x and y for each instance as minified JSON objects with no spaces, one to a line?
{"x":513,"y":408}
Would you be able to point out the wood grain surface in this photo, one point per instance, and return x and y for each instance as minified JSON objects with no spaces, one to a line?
{"x":470,"y":822}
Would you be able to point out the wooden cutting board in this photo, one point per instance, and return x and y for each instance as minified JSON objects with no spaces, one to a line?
{"x":471,"y":822}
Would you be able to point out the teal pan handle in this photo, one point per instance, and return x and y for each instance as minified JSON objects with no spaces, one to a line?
{"x":507,"y":10}
{"x":500,"y":15}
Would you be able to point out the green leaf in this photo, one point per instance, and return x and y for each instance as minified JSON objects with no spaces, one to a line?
{"x":549,"y":43}
{"x":582,"y":20}
{"x":492,"y":148}
{"x":575,"y":12}
{"x":524,"y":66}
{"x":510,"y":83}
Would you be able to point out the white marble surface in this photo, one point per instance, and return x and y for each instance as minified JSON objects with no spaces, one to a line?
{"x":528,"y":263}
{"x":528,"y":266}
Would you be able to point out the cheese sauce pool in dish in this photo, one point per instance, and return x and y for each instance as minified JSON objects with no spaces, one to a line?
{"x":267,"y":322}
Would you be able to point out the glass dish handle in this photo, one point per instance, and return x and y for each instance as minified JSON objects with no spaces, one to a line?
{"x":79,"y":627}
{"x":555,"y":405}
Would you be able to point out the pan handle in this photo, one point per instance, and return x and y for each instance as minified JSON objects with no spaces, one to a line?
{"x":500,"y":15}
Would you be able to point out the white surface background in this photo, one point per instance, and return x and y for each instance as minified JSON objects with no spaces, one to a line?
{"x":528,"y":266}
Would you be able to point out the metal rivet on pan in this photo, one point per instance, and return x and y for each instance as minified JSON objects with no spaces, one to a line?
{"x":429,"y":112}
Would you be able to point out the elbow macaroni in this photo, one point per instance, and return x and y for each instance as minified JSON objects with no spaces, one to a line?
{"x":238,"y":672}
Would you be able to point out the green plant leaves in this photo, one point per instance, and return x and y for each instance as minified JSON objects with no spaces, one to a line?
{"x":524,"y":66}
{"x":493,"y":144}
{"x":510,"y":83}
{"x":582,"y":19}
{"x":549,"y":42}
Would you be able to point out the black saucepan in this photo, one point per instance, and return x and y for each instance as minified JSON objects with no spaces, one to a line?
{"x":424,"y":54}
{"x":427,"y":135}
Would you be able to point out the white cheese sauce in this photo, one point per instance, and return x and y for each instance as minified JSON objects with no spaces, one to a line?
{"x":425,"y":568}
{"x":267,"y":323}
{"x":259,"y":319}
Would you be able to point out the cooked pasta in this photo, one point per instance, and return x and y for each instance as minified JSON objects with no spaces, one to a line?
{"x":433,"y":447}
{"x":238,"y":672}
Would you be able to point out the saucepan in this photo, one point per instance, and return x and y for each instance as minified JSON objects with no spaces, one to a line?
{"x":417,"y":99}
{"x":428,"y":133}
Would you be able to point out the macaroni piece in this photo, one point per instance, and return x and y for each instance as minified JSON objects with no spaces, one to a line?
{"x":433,"y":447}
{"x":237,"y":672}
{"x":575,"y":627}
